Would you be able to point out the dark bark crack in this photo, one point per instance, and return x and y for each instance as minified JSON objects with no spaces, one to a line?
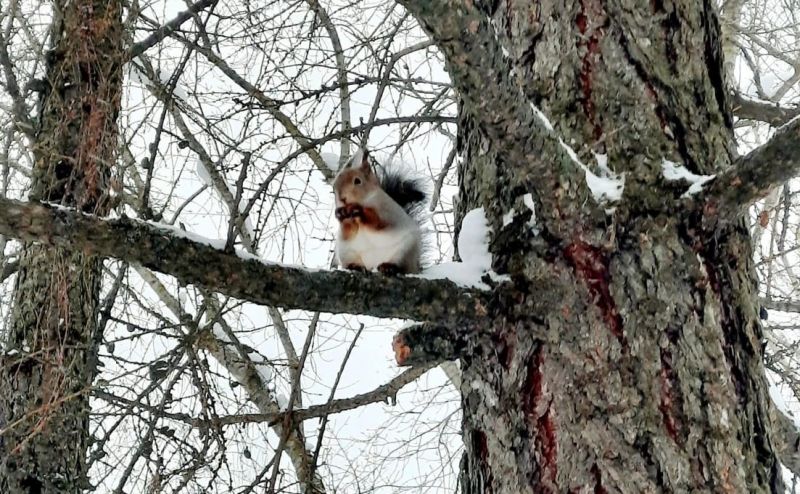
{"x":592,"y":23}
{"x":537,"y":405}
{"x":591,"y":265}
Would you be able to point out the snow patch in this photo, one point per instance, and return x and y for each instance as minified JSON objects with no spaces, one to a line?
{"x":527,"y":199}
{"x":542,"y":117}
{"x":331,"y":160}
{"x":673,"y":171}
{"x":473,"y":242}
{"x":606,"y":188}
{"x":473,"y":248}
{"x":202,"y":173}
{"x":282,"y":401}
{"x":509,"y":217}
{"x":216,"y":243}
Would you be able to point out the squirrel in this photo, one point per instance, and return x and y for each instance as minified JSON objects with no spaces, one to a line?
{"x":379,"y":223}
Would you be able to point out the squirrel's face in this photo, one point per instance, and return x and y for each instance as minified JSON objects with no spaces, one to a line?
{"x":355,"y":180}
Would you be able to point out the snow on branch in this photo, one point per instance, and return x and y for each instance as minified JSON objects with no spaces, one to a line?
{"x":673,"y":172}
{"x":751,"y":177}
{"x":193,"y":260}
{"x":763,"y":111}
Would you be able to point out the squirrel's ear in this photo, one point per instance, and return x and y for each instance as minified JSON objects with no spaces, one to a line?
{"x":355,"y":160}
{"x":365,"y":162}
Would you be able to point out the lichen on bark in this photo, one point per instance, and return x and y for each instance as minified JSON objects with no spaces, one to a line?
{"x":51,"y":344}
{"x":647,"y":377}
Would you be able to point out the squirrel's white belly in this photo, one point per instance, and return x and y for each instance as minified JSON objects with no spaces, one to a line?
{"x":377,"y":247}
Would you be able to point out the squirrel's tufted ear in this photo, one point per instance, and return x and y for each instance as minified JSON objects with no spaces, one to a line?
{"x":355,"y":160}
{"x":365,"y":163}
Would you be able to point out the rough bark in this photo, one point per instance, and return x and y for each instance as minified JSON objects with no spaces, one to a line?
{"x":648,"y":376}
{"x":46,"y":371}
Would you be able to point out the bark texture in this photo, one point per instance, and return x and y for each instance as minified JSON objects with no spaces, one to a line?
{"x":648,"y":376}
{"x":47,"y":369}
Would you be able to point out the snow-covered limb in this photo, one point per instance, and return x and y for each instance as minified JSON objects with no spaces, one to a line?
{"x":763,"y":111}
{"x":195,"y":262}
{"x":751,"y":177}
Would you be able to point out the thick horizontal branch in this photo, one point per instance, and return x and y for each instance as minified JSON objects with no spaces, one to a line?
{"x":752,"y":176}
{"x":780,"y":305}
{"x":763,"y":111}
{"x":245,"y":278}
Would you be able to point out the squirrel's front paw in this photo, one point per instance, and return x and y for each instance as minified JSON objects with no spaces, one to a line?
{"x":355,"y":211}
{"x":341,"y":213}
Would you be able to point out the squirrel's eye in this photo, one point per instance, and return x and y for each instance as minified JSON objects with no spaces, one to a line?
{"x":357,"y":181}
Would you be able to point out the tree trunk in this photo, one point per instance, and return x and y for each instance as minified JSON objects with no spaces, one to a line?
{"x":51,"y":344}
{"x":650,"y":377}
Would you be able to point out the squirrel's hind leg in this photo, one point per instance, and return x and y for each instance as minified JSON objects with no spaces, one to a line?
{"x":390,"y":269}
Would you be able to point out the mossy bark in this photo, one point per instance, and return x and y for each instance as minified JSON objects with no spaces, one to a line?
{"x":51,"y":344}
{"x":650,"y":376}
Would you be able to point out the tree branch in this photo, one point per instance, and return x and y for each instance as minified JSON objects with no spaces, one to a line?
{"x":786,"y":438}
{"x":23,"y":121}
{"x":167,"y":29}
{"x":420,"y":344}
{"x":780,"y":305}
{"x":245,"y":278}
{"x":752,"y":176}
{"x":383,"y":393}
{"x":763,"y":111}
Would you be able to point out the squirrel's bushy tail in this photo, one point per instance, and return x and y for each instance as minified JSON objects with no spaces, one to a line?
{"x":408,"y":192}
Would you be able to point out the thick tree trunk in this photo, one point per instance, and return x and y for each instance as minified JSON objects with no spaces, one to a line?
{"x":650,"y":378}
{"x":51,"y":343}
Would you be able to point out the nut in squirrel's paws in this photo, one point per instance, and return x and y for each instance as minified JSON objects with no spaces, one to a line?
{"x":349,"y":211}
